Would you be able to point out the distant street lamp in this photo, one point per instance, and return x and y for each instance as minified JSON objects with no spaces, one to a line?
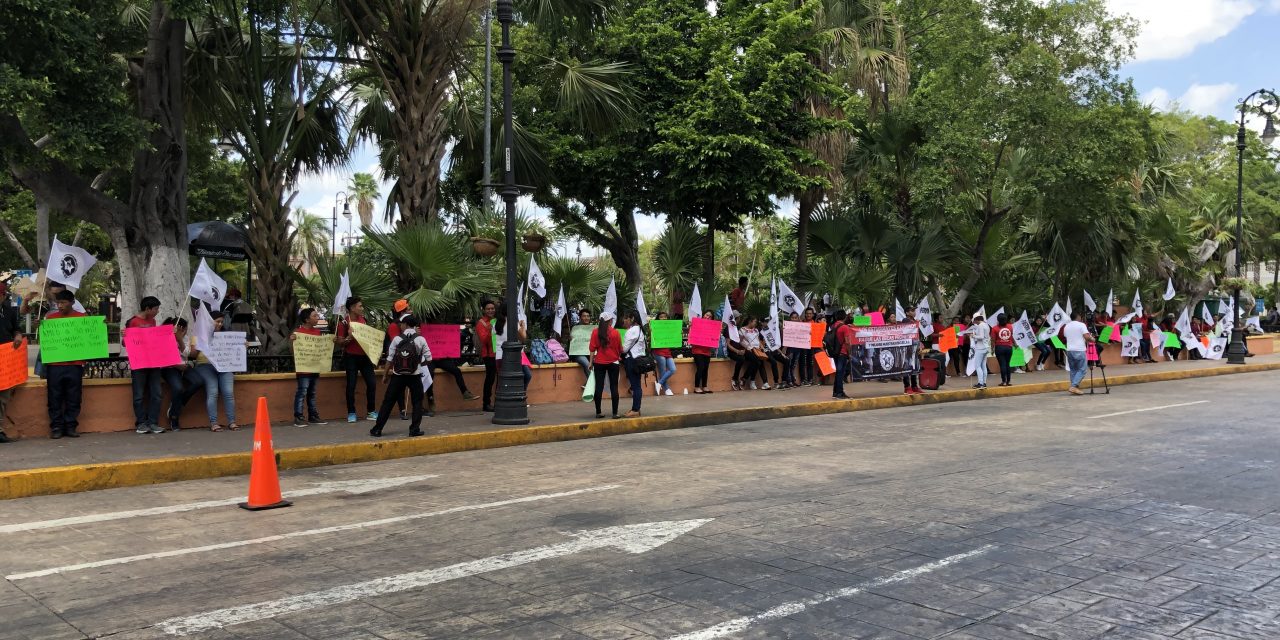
{"x":511,"y":404}
{"x":1264,"y":102}
{"x":346,"y":211}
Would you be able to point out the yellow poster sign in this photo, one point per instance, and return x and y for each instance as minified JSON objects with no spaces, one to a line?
{"x":370,"y":339}
{"x":312,"y":354}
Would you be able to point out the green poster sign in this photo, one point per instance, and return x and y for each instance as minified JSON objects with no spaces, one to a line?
{"x":1057,"y":342}
{"x":1171,"y":340}
{"x":666,"y":334}
{"x":1106,"y":334}
{"x":580,"y":339}
{"x":70,"y":339}
{"x":1019,"y":357}
{"x":862,"y":321}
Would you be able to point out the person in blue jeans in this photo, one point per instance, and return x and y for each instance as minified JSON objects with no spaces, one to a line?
{"x":307,"y":320}
{"x":1077,"y":338}
{"x":217,"y":383}
{"x":632,"y":348}
{"x":665,"y":365}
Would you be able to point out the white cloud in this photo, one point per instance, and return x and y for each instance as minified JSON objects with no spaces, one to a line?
{"x":1158,"y":97}
{"x":1203,"y":99}
{"x":1172,"y":29}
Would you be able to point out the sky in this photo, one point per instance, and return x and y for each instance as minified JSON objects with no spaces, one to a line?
{"x":1201,"y":56}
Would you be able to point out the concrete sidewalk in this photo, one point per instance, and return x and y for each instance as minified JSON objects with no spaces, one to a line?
{"x":95,"y":461}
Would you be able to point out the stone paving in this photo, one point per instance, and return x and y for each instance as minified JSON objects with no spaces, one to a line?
{"x":1005,"y":519}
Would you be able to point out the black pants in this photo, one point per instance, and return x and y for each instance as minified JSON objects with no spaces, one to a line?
{"x":449,"y":366}
{"x":701,"y":364}
{"x":1004,"y":355}
{"x":607,"y":372}
{"x":959,"y":359}
{"x":355,"y":366}
{"x":633,"y":378}
{"x":146,"y":396}
{"x":395,"y":389}
{"x":911,"y":381}
{"x":490,"y":379}
{"x":63,"y":388}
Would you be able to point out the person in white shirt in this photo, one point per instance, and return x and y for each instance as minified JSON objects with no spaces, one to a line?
{"x":1078,"y":337}
{"x":979,"y":334}
{"x":632,"y":348}
{"x":405,"y":364}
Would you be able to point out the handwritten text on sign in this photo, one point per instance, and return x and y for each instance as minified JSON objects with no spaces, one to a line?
{"x":369,"y":338}
{"x":13,"y":365}
{"x":227,"y":352}
{"x":796,"y":334}
{"x":151,"y":347}
{"x":68,"y":339}
{"x":444,"y":340}
{"x":667,"y":334}
{"x":704,"y":332}
{"x":312,"y":354}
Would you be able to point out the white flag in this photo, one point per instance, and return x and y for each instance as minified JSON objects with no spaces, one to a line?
{"x":1110,"y":311}
{"x":207,"y":285}
{"x":611,"y":299}
{"x":772,"y":334}
{"x":68,"y":264}
{"x":1137,"y":303}
{"x":560,"y":312}
{"x":788,"y":299}
{"x":1057,"y":318}
{"x":993,"y":319}
{"x":1169,"y":291}
{"x":1089,"y":302}
{"x":1217,"y":348}
{"x":982,"y":311}
{"x":1205,"y":315}
{"x":344,"y":293}
{"x":1068,"y":309}
{"x":537,"y":283}
{"x":1023,"y":333}
{"x":203,"y":329}
{"x":641,"y":308}
{"x":898,"y":311}
{"x":520,"y":314}
{"x":727,"y":319}
{"x":925,"y":315}
{"x":695,"y":303}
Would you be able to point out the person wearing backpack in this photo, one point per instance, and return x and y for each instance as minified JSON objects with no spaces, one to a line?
{"x":406,"y":357}
{"x":836,"y":343}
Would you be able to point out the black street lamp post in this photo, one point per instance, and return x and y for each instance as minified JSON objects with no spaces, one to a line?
{"x":342,"y":197}
{"x":511,"y":406}
{"x":1265,"y":102}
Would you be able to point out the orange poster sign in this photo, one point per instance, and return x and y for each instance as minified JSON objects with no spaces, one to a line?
{"x":825,"y":365}
{"x":13,"y":365}
{"x":818,"y":331}
{"x":947,"y":340}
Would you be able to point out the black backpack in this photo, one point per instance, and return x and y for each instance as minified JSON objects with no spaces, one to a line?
{"x":831,"y":342}
{"x":407,"y":357}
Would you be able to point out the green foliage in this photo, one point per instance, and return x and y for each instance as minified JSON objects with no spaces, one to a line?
{"x":441,"y":264}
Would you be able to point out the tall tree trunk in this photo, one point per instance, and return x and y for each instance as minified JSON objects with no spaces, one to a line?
{"x":709,"y":260}
{"x":989,"y":219}
{"x":42,"y":230}
{"x":270,"y":240}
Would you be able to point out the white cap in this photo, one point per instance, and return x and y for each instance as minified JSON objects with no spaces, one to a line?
{"x":607,"y":316}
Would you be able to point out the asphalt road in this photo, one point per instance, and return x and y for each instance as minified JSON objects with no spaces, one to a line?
{"x":1020,"y":518}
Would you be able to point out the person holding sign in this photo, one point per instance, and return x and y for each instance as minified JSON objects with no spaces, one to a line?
{"x":702,"y":360}
{"x":217,"y":383}
{"x":307,"y":320}
{"x":665,"y":363}
{"x":146,"y":382}
{"x":580,"y":343}
{"x":65,"y":379}
{"x":356,"y":362}
{"x":10,"y":333}
{"x":181,"y":379}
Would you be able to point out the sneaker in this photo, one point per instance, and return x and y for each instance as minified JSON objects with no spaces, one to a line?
{"x":633,"y":414}
{"x":467,"y":395}
{"x":753,"y":385}
{"x":977,"y":386}
{"x":299,"y":422}
{"x":908,"y":392}
{"x":669,"y":393}
{"x":316,"y":420}
{"x":404,"y":415}
{"x":373,"y":415}
{"x":765,"y":387}
{"x":1019,"y":370}
{"x":1075,"y":391}
{"x":840,"y":396}
{"x":143,"y":429}
{"x":173,"y":423}
{"x":351,"y":417}
{"x":155,"y":428}
{"x":657,"y":389}
{"x":917,"y":390}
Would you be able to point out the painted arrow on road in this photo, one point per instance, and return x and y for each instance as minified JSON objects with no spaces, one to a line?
{"x":634,"y":538}
{"x":348,"y":486}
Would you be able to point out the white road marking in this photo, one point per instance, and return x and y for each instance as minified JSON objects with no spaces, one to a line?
{"x":1165,"y":406}
{"x":635,"y":538}
{"x":300,"y":534}
{"x":349,"y":486}
{"x":791,"y":608}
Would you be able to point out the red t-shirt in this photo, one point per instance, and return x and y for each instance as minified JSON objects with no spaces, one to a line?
{"x":1002,"y":336}
{"x":666,"y":353}
{"x":138,"y":321}
{"x":701,"y":351}
{"x":344,"y":331}
{"x":844,"y":334}
{"x":610,"y":351}
{"x":736,"y":298}
{"x":311,"y":331}
{"x":484,"y":337}
{"x":54,"y":315}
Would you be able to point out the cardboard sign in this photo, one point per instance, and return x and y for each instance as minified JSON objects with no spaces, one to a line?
{"x":863,"y":321}
{"x":580,"y":339}
{"x":369,"y":339}
{"x":877,"y":318}
{"x":70,"y":339}
{"x":444,"y":340}
{"x":1020,"y":357}
{"x":312,"y":354}
{"x":13,"y":365}
{"x":796,"y":334}
{"x":1171,"y":340}
{"x":666,"y":334}
{"x":1091,"y":352}
{"x":151,"y":347}
{"x":825,"y":365}
{"x":947,"y":340}
{"x":819,"y":331}
{"x":705,"y":333}
{"x":227,"y":352}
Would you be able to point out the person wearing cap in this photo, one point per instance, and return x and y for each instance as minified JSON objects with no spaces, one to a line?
{"x":399,"y":308}
{"x":398,"y":382}
{"x":10,"y":333}
{"x":65,"y":379}
{"x":606,"y":354}
{"x":979,"y":335}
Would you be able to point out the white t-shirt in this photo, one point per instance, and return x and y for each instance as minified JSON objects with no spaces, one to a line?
{"x":633,"y":342}
{"x":1075,"y":332}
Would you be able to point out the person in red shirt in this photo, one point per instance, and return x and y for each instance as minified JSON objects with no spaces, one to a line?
{"x":307,"y":320}
{"x":844,"y":338}
{"x":702,"y":360}
{"x":356,"y":363}
{"x":484,"y":345}
{"x":738,"y":296}
{"x":1002,"y":338}
{"x":606,"y":354}
{"x":146,"y":382}
{"x":64,"y":379}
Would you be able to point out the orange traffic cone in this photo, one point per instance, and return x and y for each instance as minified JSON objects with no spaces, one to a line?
{"x":264,"y":480}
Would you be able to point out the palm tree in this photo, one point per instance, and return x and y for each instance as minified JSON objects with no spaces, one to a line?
{"x":364,"y":189}
{"x":447,"y":274}
{"x":677,"y":257}
{"x":368,"y":282}
{"x":310,"y":238}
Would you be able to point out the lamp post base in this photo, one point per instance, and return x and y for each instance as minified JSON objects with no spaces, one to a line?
{"x":1236,"y":350}
{"x":511,"y":405}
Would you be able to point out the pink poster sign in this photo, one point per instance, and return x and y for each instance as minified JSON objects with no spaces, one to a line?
{"x":151,"y":347}
{"x":444,"y":340}
{"x":877,"y":319}
{"x":1091,"y":352}
{"x":705,"y":333}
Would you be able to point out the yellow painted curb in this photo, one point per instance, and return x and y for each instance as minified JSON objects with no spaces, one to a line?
{"x":91,"y":477}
